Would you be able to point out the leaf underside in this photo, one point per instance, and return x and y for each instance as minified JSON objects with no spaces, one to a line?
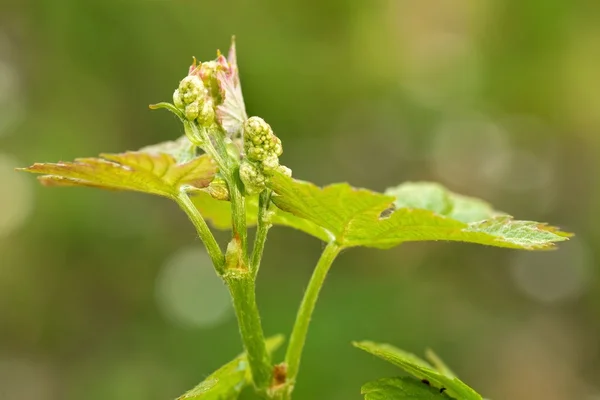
{"x":218,"y":212}
{"x":227,"y":382}
{"x":161,"y":170}
{"x":409,"y":212}
{"x":404,"y":388}
{"x":420,"y":369}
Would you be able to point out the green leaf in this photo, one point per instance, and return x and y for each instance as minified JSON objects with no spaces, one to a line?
{"x":436,"y":198}
{"x":218,"y":213}
{"x":421,"y":370}
{"x":227,"y":382}
{"x":162,"y":169}
{"x":405,"y":388}
{"x":415,"y":212}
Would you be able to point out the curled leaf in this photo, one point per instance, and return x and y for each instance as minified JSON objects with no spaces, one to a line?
{"x":405,"y":388}
{"x":421,"y":370}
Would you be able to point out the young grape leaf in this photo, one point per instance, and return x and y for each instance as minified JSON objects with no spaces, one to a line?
{"x":161,"y":169}
{"x":435,"y":197}
{"x":227,"y":382}
{"x":410,"y":212}
{"x":404,"y":388}
{"x":420,"y":369}
{"x":218,"y":213}
{"x":232,"y":113}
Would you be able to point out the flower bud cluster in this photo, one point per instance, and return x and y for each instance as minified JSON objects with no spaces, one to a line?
{"x":193,"y":99}
{"x":262,"y":150}
{"x":208,"y":73}
{"x":200,"y":93}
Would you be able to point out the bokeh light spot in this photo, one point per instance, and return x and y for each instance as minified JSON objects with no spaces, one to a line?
{"x":11,"y":102}
{"x":21,"y":378}
{"x":524,"y":171}
{"x":470,"y":151}
{"x":555,"y":275}
{"x":17,"y":198}
{"x":189,"y":292}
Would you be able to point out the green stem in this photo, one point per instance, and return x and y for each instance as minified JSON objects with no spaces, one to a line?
{"x":298,"y":338}
{"x":263,"y":226}
{"x":200,"y":137}
{"x":242,"y":288}
{"x":212,"y":247}
{"x":229,"y":169}
{"x":238,"y":213}
{"x":234,"y":268}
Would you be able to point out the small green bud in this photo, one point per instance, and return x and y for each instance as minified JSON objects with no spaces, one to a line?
{"x":206,"y":117}
{"x":192,"y":110}
{"x":270,"y":164}
{"x":233,"y":257}
{"x":256,"y":153}
{"x":191,"y":88}
{"x":262,"y":147}
{"x":177,"y":100}
{"x":277,"y":147}
{"x":256,"y":127}
{"x":208,"y":73}
{"x":256,"y":140}
{"x":218,"y":189}
{"x":285,"y":171}
{"x":253,"y":179}
{"x":260,"y":143}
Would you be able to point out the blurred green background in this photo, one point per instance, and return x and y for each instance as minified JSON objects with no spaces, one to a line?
{"x":109,"y":295}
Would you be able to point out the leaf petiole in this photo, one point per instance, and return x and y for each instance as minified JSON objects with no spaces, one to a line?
{"x":212,"y":247}
{"x":300,"y":330}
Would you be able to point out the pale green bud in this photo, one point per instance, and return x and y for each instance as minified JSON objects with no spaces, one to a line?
{"x":277,"y":147}
{"x":233,"y":256}
{"x":256,"y":153}
{"x":256,"y":140}
{"x":218,"y":189}
{"x":260,"y":142}
{"x":256,"y":127}
{"x":191,"y":88}
{"x":206,"y":117}
{"x":177,"y":100}
{"x":262,"y":147}
{"x":285,"y":171}
{"x":253,"y":179}
{"x":192,"y":110}
{"x":270,"y":164}
{"x":208,"y":73}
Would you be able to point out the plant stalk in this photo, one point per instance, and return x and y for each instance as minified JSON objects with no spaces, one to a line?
{"x":229,"y":167}
{"x":262,"y":229}
{"x":300,"y":330}
{"x":234,"y":266}
{"x":238,"y":213}
{"x":212,"y":247}
{"x":242,"y":288}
